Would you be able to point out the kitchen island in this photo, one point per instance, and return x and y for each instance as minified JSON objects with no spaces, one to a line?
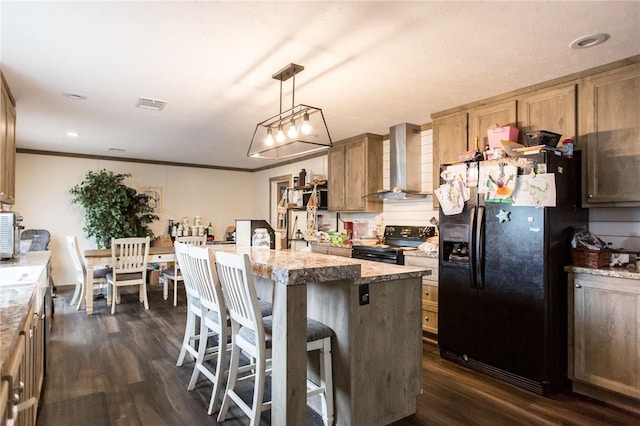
{"x":374,"y":310}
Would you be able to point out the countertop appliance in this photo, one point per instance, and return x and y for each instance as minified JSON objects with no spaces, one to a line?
{"x":10,"y":234}
{"x":397,"y":240}
{"x":502,"y":303}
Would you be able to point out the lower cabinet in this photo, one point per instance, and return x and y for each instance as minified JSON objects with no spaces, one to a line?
{"x":604,"y":338}
{"x":332,"y":250}
{"x":429,"y":295}
{"x":23,"y":377}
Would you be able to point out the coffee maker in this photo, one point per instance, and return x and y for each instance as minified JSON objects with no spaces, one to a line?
{"x":10,"y":234}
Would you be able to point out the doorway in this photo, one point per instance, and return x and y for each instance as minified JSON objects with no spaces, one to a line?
{"x":277,"y":189}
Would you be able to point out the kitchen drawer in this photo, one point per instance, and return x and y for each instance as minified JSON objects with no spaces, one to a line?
{"x":429,"y":292}
{"x":318,"y":248}
{"x":430,"y":320}
{"x":339,"y":251}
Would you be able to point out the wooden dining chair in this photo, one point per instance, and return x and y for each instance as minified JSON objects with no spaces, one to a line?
{"x":173,"y":274}
{"x":201,"y":270}
{"x":251,"y":334}
{"x":99,"y":275}
{"x":191,"y":334}
{"x":129,"y":262}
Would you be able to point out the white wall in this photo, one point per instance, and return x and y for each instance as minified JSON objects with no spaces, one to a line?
{"x":618,"y":226}
{"x":43,"y":199}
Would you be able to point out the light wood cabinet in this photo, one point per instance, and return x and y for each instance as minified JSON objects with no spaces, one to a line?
{"x":449,"y":140}
{"x":355,"y":170}
{"x":604,"y":336}
{"x":481,"y":118}
{"x":7,"y":145}
{"x":331,"y":250}
{"x":429,"y":295}
{"x":611,"y":133}
{"x":552,"y":109}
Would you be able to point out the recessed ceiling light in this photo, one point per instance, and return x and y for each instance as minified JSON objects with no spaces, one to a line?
{"x":74,"y":96}
{"x":589,"y":41}
{"x":73,"y":134}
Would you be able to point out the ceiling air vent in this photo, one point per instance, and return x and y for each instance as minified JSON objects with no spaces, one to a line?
{"x":150,"y":103}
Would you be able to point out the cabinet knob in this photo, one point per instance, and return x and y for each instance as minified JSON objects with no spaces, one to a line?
{"x":426,"y":293}
{"x":590,"y":195}
{"x":577,"y":286}
{"x":426,"y":319}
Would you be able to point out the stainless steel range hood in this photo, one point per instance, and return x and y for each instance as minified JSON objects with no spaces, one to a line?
{"x":404,"y":161}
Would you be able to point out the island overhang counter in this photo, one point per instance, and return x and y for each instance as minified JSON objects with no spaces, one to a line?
{"x":374,"y":310}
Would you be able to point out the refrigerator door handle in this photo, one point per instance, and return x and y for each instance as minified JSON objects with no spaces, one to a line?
{"x":472,"y":252}
{"x":479,"y":249}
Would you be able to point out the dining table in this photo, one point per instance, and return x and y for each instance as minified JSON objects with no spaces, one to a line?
{"x":102,"y":257}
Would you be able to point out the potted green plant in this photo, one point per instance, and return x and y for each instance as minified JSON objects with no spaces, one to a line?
{"x":112,"y":209}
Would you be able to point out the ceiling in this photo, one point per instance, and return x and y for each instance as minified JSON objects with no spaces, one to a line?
{"x":368,"y":65}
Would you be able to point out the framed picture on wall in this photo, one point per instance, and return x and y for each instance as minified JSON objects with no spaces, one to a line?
{"x":155,"y":196}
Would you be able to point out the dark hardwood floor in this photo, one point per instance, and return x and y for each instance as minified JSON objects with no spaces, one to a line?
{"x":120,"y":370}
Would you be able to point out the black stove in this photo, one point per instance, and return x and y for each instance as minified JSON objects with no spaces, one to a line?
{"x":397,"y":240}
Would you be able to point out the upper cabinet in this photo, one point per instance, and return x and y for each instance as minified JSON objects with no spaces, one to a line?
{"x":7,"y":145}
{"x":552,"y":109}
{"x":482,"y":117}
{"x":355,"y":171}
{"x":449,"y":140}
{"x":610,"y":128}
{"x":604,"y":101}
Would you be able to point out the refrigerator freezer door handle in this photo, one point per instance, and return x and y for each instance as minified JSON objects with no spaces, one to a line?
{"x":479,"y":248}
{"x":472,"y":252}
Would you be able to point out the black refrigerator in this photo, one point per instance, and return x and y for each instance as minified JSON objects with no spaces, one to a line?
{"x":502,"y":286}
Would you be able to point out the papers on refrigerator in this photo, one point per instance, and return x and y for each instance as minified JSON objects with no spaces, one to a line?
{"x":538,"y":190}
{"x":452,"y":194}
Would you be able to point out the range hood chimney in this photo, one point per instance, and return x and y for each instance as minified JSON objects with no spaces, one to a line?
{"x":404,"y":162}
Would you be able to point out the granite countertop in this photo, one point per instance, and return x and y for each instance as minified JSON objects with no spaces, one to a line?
{"x":15,"y":302}
{"x":630,"y":272}
{"x":293,"y":267}
{"x":421,"y":253}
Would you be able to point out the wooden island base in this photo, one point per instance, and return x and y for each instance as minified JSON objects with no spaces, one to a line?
{"x":377,"y":348}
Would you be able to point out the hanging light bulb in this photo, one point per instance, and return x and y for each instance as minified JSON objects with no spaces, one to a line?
{"x":280,"y":135}
{"x":292,"y":132}
{"x":269,"y":139}
{"x":306,"y":125}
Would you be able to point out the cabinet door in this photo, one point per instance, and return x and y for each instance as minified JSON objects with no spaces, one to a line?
{"x":449,"y":140}
{"x":4,"y":102}
{"x":10,"y":155}
{"x":481,"y":118}
{"x":607,"y":333}
{"x":336,"y":179}
{"x":354,"y":175}
{"x":549,"y":109}
{"x":611,"y":122}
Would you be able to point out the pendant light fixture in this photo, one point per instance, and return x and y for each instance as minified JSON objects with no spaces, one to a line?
{"x":306,"y":129}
